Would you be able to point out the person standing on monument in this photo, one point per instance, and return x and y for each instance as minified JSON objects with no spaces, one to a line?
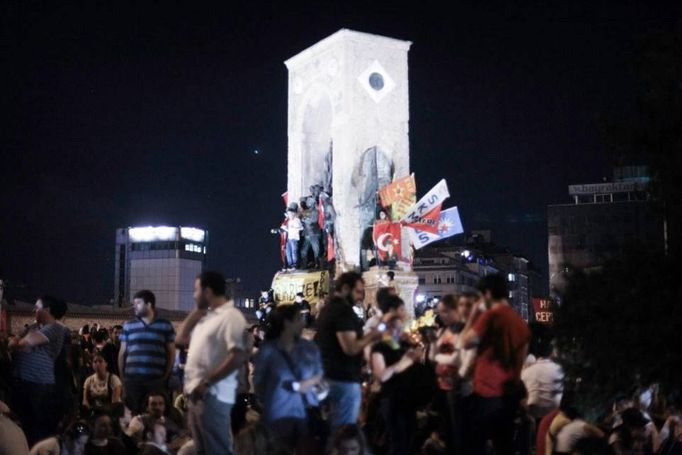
{"x":311,"y":226}
{"x":339,"y":335}
{"x":293,"y":228}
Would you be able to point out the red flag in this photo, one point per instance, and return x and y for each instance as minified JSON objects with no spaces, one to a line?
{"x":428,"y":222}
{"x":285,"y":196}
{"x":330,"y":248}
{"x":320,"y":213}
{"x":386,"y":236}
{"x":283,"y":243}
{"x":400,"y":195}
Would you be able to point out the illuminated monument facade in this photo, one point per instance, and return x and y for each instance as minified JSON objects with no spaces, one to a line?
{"x":348,"y":125}
{"x":163,"y":259}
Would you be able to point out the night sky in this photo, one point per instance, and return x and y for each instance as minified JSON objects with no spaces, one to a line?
{"x":117,"y":115}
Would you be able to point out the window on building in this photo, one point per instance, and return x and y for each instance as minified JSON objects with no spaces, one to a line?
{"x":422,"y":280}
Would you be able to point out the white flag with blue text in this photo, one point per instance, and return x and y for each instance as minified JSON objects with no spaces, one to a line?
{"x":449,"y":224}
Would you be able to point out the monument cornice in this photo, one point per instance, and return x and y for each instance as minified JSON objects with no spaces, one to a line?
{"x":347,"y":35}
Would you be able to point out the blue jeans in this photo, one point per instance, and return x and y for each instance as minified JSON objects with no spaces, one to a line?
{"x":344,"y":401}
{"x":292,"y":253}
{"x":209,"y":419}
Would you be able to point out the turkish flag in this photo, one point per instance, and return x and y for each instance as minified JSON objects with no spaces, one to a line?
{"x":386,"y":236}
{"x":429,"y":222}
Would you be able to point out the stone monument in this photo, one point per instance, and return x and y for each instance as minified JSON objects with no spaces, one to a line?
{"x":348,"y":118}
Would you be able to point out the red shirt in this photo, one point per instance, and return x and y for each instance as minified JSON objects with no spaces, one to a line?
{"x":499,"y":326}
{"x":543,"y":428}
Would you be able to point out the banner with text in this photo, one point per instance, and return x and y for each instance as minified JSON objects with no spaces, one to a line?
{"x":449,"y":224}
{"x":430,"y":201}
{"x":544,"y":310}
{"x":399,"y":195}
{"x":311,"y":284}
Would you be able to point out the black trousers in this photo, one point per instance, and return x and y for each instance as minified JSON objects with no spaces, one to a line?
{"x":490,"y":419}
{"x":36,"y":407}
{"x":136,"y":390}
{"x":401,"y":422}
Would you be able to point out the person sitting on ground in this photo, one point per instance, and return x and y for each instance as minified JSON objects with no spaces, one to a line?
{"x":349,"y":440}
{"x":102,"y":389}
{"x":631,"y":436}
{"x":71,"y":442}
{"x":568,"y":427}
{"x":156,"y":413}
{"x":102,"y":441}
{"x":254,"y":439}
{"x":155,"y":440}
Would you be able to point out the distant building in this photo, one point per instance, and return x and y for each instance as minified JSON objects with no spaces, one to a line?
{"x":452,"y":267}
{"x":602,"y":220}
{"x":163,"y":259}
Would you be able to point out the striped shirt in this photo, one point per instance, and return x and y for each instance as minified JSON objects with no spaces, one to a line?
{"x":146,"y":353}
{"x":37,"y":364}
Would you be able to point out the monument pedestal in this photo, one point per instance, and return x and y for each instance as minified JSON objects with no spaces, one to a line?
{"x":405,"y":282}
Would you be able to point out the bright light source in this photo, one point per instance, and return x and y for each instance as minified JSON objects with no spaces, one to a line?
{"x":152,"y":233}
{"x":193,"y":234}
{"x":465,"y":254}
{"x":511,"y":277}
{"x":421,"y":298}
{"x":436,"y":300}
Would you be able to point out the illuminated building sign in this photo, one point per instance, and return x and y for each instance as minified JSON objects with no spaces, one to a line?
{"x":544,"y":310}
{"x":193,"y":234}
{"x":605,"y":188}
{"x":152,"y":233}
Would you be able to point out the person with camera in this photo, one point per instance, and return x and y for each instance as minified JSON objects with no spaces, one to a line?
{"x":391,"y":360}
{"x":287,"y":375}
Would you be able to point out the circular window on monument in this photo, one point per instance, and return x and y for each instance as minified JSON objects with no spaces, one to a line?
{"x":376,"y":81}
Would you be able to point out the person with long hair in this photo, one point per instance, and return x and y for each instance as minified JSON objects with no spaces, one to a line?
{"x":288,"y":369}
{"x":391,"y":359}
{"x":102,"y":389}
{"x":71,"y":442}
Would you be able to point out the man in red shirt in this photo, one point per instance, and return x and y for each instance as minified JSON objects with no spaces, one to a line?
{"x":501,"y":337}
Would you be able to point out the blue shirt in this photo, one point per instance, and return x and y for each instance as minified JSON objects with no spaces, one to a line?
{"x":273,"y":378}
{"x":146,"y":354}
{"x":37,"y":364}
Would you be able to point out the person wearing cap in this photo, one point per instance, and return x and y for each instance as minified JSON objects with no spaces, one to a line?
{"x":293,"y":228}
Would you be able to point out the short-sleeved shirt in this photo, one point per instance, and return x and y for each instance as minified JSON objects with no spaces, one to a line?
{"x":146,"y":352}
{"x":37,"y":364}
{"x":498,"y":329}
{"x":399,"y":382}
{"x":273,"y":376}
{"x":338,"y":316}
{"x":220,"y":331}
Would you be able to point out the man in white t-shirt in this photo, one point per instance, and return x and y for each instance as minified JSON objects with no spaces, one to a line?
{"x":544,"y":381}
{"x":216,"y":352}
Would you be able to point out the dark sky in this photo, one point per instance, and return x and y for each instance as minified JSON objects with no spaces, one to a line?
{"x":121,"y":115}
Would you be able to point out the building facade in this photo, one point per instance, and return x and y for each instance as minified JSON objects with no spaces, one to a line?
{"x":451,"y":268}
{"x":163,"y":259}
{"x":601,"y":221}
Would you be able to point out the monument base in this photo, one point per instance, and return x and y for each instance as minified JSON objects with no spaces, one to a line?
{"x":314,"y":284}
{"x":405,"y":283}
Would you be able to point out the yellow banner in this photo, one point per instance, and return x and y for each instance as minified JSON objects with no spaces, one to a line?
{"x":311,"y":284}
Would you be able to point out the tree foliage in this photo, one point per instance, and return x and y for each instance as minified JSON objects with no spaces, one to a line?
{"x":621,"y":327}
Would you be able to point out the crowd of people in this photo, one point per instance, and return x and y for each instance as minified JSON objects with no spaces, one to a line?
{"x":477,"y":381}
